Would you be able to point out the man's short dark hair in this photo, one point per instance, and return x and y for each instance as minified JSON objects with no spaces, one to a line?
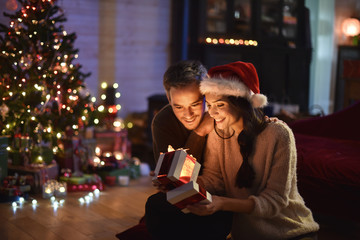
{"x":184,"y":73}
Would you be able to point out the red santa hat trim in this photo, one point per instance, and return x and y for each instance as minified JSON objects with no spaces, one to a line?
{"x":237,"y":79}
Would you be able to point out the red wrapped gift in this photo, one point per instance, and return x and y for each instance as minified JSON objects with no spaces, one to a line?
{"x":176,"y":168}
{"x":187,"y":194}
{"x":86,"y":187}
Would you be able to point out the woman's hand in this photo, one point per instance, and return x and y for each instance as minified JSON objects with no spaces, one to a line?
{"x":202,"y":209}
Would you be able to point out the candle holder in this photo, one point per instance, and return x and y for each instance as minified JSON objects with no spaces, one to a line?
{"x":61,"y":189}
{"x":48,"y":189}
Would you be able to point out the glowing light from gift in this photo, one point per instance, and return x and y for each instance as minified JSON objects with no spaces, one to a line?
{"x":52,"y":199}
{"x":351,"y":27}
{"x":187,"y":169}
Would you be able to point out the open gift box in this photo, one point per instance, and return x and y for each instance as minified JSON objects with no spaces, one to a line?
{"x":175,"y":168}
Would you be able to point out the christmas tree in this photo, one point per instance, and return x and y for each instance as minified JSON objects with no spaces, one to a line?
{"x":43,"y":96}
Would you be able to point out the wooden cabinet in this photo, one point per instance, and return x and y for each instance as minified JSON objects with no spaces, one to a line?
{"x":348,"y":77}
{"x":271,"y":34}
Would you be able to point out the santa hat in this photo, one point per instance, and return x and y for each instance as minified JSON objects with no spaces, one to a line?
{"x":237,"y":79}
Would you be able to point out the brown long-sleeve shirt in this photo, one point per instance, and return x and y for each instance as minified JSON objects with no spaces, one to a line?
{"x":168,"y":130}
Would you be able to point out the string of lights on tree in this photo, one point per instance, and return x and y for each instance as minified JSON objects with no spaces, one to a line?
{"x":42,"y":90}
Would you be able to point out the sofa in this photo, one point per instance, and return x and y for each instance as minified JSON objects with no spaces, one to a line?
{"x":328,"y":149}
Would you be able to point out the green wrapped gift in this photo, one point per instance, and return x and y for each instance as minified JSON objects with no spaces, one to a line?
{"x":73,"y":180}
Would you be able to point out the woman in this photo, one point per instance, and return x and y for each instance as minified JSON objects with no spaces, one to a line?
{"x":251,"y":161}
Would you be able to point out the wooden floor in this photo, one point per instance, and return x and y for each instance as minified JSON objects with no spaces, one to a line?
{"x":116,"y":209}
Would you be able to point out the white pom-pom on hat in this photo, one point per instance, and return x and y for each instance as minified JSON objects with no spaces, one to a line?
{"x":237,"y":79}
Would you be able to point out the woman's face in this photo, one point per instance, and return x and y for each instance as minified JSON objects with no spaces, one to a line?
{"x":222,"y":111}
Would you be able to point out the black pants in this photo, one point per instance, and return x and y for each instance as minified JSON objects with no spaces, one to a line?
{"x":165,"y":221}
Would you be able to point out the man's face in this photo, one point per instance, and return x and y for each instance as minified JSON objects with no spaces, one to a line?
{"x":187,"y":104}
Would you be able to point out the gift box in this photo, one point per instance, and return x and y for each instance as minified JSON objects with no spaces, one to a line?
{"x":187,"y":194}
{"x":176,"y":168}
{"x":114,"y":173}
{"x":87,"y":182}
{"x":111,"y":141}
{"x":40,"y":174}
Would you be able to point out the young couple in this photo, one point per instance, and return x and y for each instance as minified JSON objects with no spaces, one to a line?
{"x":249,"y":163}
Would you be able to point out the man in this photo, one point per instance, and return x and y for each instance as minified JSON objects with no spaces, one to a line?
{"x":182,"y":123}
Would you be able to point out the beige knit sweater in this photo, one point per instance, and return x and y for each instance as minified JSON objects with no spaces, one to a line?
{"x":280,"y":211}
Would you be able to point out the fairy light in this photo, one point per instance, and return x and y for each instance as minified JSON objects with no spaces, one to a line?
{"x":101,"y":108}
{"x":231,"y":41}
{"x":117,"y":95}
{"x":103,"y":85}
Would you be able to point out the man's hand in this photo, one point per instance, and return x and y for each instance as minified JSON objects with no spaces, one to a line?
{"x":206,"y":125}
{"x":273,"y":119}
